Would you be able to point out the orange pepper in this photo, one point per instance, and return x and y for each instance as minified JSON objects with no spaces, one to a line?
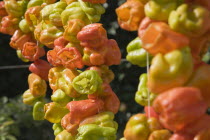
{"x":181,"y":136}
{"x":3,"y":11}
{"x":9,"y":25}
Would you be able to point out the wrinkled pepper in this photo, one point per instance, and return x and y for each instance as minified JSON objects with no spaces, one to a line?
{"x":170,"y":70}
{"x":203,"y":135}
{"x":162,"y":134}
{"x":9,"y":25}
{"x":57,"y":128}
{"x":60,"y":97}
{"x":24,"y":26}
{"x":29,"y":98}
{"x":20,"y":56}
{"x":64,"y":135}
{"x":38,"y":111}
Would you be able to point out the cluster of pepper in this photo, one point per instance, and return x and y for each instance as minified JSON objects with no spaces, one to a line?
{"x":83,"y":103}
{"x":174,"y":35}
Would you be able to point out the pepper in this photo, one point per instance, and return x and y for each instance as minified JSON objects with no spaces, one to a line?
{"x":95,"y":1}
{"x":95,"y":132}
{"x":20,"y":56}
{"x":24,"y":26}
{"x":162,"y":134}
{"x":139,"y":127}
{"x":9,"y":25}
{"x":3,"y":11}
{"x":179,"y":107}
{"x":181,"y":136}
{"x":33,"y":3}
{"x":38,"y":111}
{"x":130,"y":14}
{"x":37,"y":86}
{"x":143,"y":95}
{"x":29,"y":98}
{"x":52,"y":13}
{"x":57,"y":128}
{"x":54,"y":112}
{"x":87,"y":82}
{"x":64,"y":135}
{"x":136,"y":54}
{"x":60,"y":97}
{"x":170,"y":70}
{"x":203,"y":135}
{"x":160,"y":9}
{"x":192,"y":20}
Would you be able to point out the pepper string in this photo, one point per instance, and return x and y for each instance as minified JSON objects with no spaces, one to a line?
{"x":175,"y":92}
{"x":77,"y":67}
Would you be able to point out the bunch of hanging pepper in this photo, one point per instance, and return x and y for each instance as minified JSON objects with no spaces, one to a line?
{"x":77,"y":67}
{"x":173,"y":36}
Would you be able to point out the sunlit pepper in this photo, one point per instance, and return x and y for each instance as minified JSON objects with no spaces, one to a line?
{"x":162,"y":134}
{"x":130,"y":14}
{"x":105,"y":73}
{"x":70,"y":58}
{"x":19,"y":39}
{"x":20,"y":56}
{"x":79,"y":110}
{"x":143,"y":96}
{"x":9,"y":25}
{"x":37,"y":86}
{"x":144,"y":25}
{"x":181,"y":136}
{"x":24,"y":26}
{"x":160,"y":9}
{"x":179,"y":107}
{"x":170,"y":70}
{"x":15,"y":8}
{"x":200,"y":80}
{"x":33,"y":3}
{"x":95,"y":1}
{"x":38,"y":111}
{"x":95,"y":132}
{"x":41,"y":68}
{"x":72,"y":29}
{"x":87,"y":82}
{"x":54,"y":112}
{"x":203,"y":135}
{"x":64,"y":135}
{"x":52,"y":13}
{"x":60,"y":97}
{"x":92,"y":36}
{"x":192,"y":20}
{"x":159,"y":38}
{"x":85,"y":11}
{"x":104,"y":119}
{"x":139,"y":127}
{"x":3,"y":11}
{"x":29,"y":98}
{"x":61,"y":78}
{"x":57,"y":128}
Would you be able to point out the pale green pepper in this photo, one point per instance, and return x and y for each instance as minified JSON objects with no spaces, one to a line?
{"x":23,"y":25}
{"x":33,"y":3}
{"x":95,"y":132}
{"x":64,"y":135}
{"x":57,"y":128}
{"x":52,"y":13}
{"x":136,"y":54}
{"x":60,"y":97}
{"x":20,"y":56}
{"x":143,"y":95}
{"x":160,"y":9}
{"x":192,"y":20}
{"x":29,"y":98}
{"x":38,"y":111}
{"x":87,"y":82}
{"x":54,"y":112}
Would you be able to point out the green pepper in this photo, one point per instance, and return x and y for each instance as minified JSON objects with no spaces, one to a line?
{"x":64,"y":135}
{"x":57,"y":128}
{"x":54,"y":112}
{"x":33,"y":3}
{"x":143,"y":95}
{"x":136,"y":54}
{"x":60,"y":97}
{"x":87,"y":82}
{"x":192,"y":20}
{"x":38,"y":111}
{"x":29,"y":98}
{"x":23,"y":25}
{"x":95,"y":132}
{"x":52,"y":13}
{"x":104,"y":119}
{"x":160,"y":9}
{"x":19,"y":54}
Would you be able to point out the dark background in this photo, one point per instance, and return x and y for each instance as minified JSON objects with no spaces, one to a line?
{"x":15,"y":118}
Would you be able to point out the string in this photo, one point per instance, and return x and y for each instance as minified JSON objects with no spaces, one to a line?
{"x":14,"y":67}
{"x":148,"y":88}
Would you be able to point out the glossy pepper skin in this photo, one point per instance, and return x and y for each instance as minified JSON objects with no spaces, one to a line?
{"x":170,"y":70}
{"x":40,"y":67}
{"x":95,"y":132}
{"x":9,"y":25}
{"x":64,"y":135}
{"x":24,"y":26}
{"x":159,"y":38}
{"x":191,"y":20}
{"x":201,"y":81}
{"x":37,"y":86}
{"x":29,"y":98}
{"x":130,"y":14}
{"x":136,"y":54}
{"x":139,"y":127}
{"x":203,"y":135}
{"x":160,"y":9}
{"x":162,"y":134}
{"x":3,"y":11}
{"x":95,"y":1}
{"x":143,"y":95}
{"x":87,"y":82}
{"x":60,"y":97}
{"x":179,"y":107}
{"x":57,"y":128}
{"x":84,"y":11}
{"x":38,"y":111}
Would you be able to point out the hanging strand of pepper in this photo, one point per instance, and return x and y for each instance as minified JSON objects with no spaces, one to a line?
{"x":175,"y":33}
